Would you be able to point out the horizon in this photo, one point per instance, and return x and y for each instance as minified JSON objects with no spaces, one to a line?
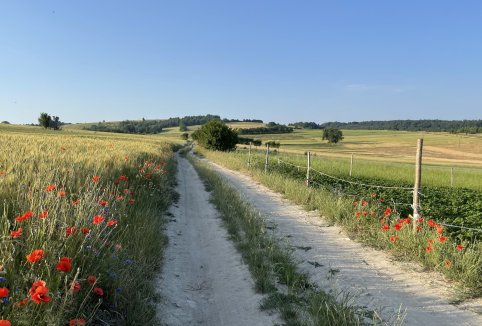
{"x":274,"y":61}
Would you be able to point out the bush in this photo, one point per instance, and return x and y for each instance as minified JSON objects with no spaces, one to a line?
{"x":215,"y":135}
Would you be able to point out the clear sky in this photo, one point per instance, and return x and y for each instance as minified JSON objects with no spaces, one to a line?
{"x":279,"y":60}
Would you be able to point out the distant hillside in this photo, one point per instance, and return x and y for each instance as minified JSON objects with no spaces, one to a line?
{"x":150,"y":126}
{"x":454,"y":126}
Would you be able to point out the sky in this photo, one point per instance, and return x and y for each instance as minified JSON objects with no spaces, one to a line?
{"x":275,"y":60}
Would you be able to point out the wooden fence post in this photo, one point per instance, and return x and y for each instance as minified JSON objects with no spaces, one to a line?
{"x":249,"y":154}
{"x":416,"y":187}
{"x":451,"y":177}
{"x":307,"y":181}
{"x":351,"y":164}
{"x":266,"y":159}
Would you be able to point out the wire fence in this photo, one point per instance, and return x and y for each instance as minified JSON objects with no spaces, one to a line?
{"x":340,"y":192}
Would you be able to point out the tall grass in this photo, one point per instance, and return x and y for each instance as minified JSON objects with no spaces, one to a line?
{"x":95,"y":204}
{"x":369,"y":221}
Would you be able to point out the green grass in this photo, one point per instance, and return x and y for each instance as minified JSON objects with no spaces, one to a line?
{"x":464,"y":267}
{"x":287,"y":290}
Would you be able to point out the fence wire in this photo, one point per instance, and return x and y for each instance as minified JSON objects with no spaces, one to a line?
{"x":338,"y":191}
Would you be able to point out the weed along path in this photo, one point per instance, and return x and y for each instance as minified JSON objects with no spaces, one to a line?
{"x":398,"y":293}
{"x":204,"y":281}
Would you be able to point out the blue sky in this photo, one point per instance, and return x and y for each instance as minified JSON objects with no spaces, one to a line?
{"x":277,"y":60}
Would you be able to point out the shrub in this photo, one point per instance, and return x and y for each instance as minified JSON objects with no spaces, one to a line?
{"x":215,"y":135}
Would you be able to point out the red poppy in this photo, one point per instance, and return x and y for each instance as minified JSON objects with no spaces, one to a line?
{"x":442,"y":239}
{"x":76,"y":322}
{"x":4,"y":322}
{"x":365,"y":213}
{"x":85,"y":230}
{"x":3,"y":172}
{"x":111,"y":222}
{"x":428,"y":248}
{"x":75,"y":202}
{"x":70,"y":230}
{"x":357,"y":215}
{"x":92,"y":279}
{"x":420,"y":220}
{"x":373,"y":195}
{"x":61,"y":193}
{"x":39,"y":291}
{"x":398,"y":226}
{"x":355,"y":203}
{"x":75,"y":287}
{"x":16,"y":234}
{"x":407,"y":220}
{"x":460,"y":247}
{"x":35,"y":256}
{"x":131,"y":200}
{"x":103,"y":203}
{"x":430,"y":241}
{"x":97,"y":219}
{"x":24,"y":217}
{"x":43,"y":214}
{"x":119,"y":198}
{"x":64,"y":264}
{"x":126,"y":158}
{"x":126,"y":191}
{"x":50,"y":188}
{"x":365,"y":203}
{"x":123,"y":178}
{"x":431,"y":223}
{"x":388,"y":211}
{"x":21,"y":302}
{"x":440,"y":229}
{"x":98,"y":291}
{"x":385,"y":227}
{"x":3,"y":293}
{"x":95,"y":178}
{"x":393,"y":238}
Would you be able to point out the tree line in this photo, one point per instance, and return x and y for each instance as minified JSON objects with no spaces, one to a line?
{"x":454,"y":126}
{"x":151,"y":126}
{"x":270,"y":128}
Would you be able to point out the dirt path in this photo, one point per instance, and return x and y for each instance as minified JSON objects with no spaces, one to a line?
{"x":340,"y":265}
{"x":204,"y":281}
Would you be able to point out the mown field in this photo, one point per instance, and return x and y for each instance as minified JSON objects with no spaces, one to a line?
{"x":81,"y":220}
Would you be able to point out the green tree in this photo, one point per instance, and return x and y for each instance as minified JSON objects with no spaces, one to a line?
{"x":185,"y":136}
{"x":333,"y":135}
{"x":182,"y":126}
{"x":215,"y":135}
{"x":45,"y":120}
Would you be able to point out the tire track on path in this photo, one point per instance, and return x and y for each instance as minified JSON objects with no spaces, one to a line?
{"x":204,"y":281}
